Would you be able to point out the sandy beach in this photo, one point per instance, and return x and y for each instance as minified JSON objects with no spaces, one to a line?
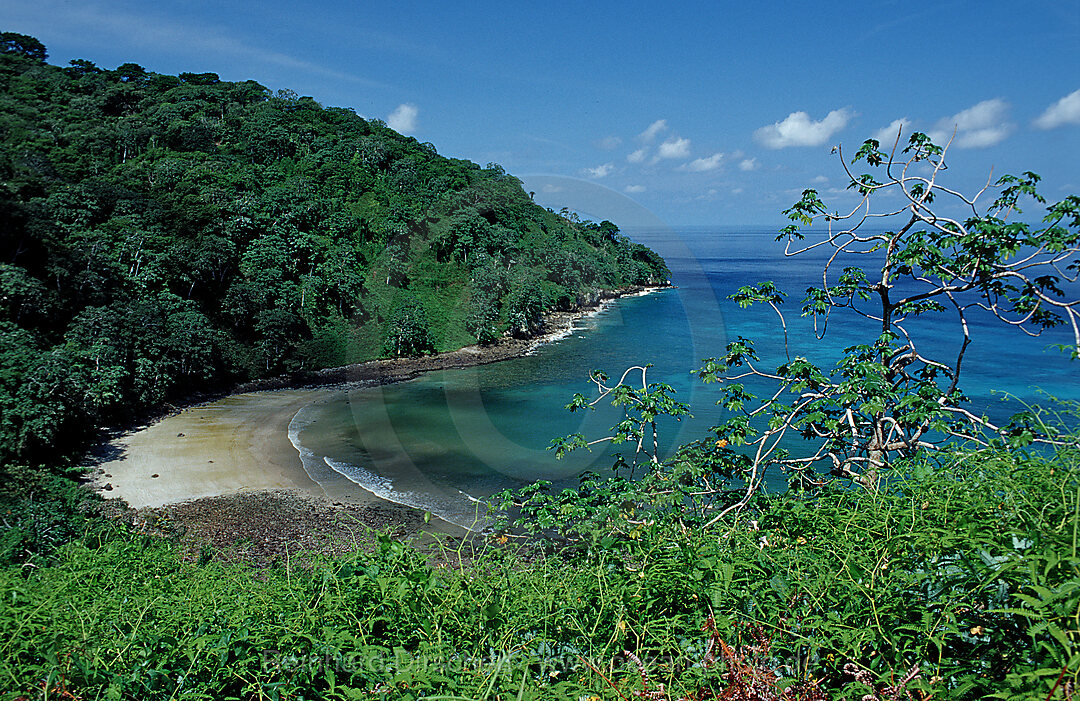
{"x":236,"y":444}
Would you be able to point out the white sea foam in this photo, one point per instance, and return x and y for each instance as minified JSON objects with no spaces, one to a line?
{"x":320,"y":468}
{"x":459,"y":514}
{"x":471,"y":498}
{"x":307,"y":458}
{"x":375,"y":484}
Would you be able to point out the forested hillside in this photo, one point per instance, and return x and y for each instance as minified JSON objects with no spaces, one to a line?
{"x":164,"y":234}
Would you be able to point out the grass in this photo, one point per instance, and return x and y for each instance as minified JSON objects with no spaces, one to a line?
{"x":960,"y":582}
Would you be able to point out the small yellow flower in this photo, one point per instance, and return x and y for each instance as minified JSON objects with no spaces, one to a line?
{"x":721,"y":443}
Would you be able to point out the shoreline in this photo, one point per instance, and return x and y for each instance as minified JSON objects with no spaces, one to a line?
{"x":236,"y":444}
{"x":385,"y":371}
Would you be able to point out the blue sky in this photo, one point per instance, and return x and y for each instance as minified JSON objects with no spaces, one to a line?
{"x":698,"y":113}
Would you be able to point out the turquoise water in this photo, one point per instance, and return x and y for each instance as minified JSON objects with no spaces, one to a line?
{"x":447,"y":440}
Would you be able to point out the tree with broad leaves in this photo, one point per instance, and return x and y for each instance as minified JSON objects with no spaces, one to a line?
{"x":605,"y":507}
{"x":892,"y":396}
{"x":641,"y":408}
{"x":408,"y":331}
{"x":22,"y":45}
{"x":885,"y":399}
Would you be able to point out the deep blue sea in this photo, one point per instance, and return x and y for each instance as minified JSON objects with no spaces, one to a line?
{"x":445,"y":441}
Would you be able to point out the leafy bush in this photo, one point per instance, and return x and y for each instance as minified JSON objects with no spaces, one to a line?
{"x":408,"y":331}
{"x":40,"y":513}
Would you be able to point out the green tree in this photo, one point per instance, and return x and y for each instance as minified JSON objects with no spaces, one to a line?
{"x":887,"y":399}
{"x":21,"y":295}
{"x":279,"y":331}
{"x":525,"y":307}
{"x":483,"y":319}
{"x":408,"y":331}
{"x":22,"y":45}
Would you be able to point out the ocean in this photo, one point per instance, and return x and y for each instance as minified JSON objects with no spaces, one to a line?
{"x":445,"y":441}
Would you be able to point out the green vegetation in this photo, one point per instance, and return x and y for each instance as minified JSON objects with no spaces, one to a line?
{"x":887,"y":400}
{"x":918,"y":509}
{"x":967,"y":568}
{"x":933,"y":556}
{"x":170,"y":234}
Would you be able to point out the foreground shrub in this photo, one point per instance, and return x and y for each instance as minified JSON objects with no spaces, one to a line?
{"x":960,"y":581}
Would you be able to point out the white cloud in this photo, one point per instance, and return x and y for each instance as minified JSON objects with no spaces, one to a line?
{"x":1064,"y":111}
{"x":799,"y":130}
{"x":403,"y":119}
{"x":737,"y":191}
{"x":652,"y":130}
{"x":599,"y":171}
{"x":702,"y":165}
{"x":978,"y":126}
{"x":748,"y":164}
{"x":551,"y":189}
{"x":635,"y":189}
{"x":886,"y":136}
{"x":674,"y":148}
{"x":608,"y":143}
{"x":637,"y":156}
{"x":819,"y":180}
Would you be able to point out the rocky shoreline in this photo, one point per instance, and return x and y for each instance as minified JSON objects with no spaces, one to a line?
{"x":388,"y":371}
{"x":392,"y":370}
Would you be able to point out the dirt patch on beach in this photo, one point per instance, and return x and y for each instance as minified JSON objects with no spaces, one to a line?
{"x":287,"y":527}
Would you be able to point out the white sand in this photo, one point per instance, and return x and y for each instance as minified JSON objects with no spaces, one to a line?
{"x":236,"y":444}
